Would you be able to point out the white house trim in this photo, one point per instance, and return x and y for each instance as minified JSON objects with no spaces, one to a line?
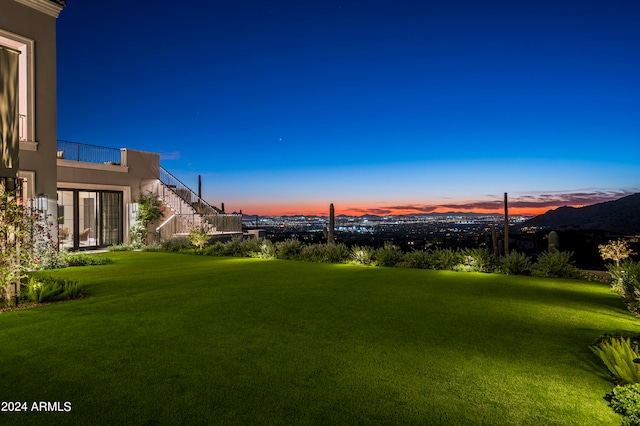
{"x":45,"y":6}
{"x":92,"y":166}
{"x":27,"y":72}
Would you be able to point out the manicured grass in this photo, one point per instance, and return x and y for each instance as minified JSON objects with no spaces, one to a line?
{"x":182,"y":339}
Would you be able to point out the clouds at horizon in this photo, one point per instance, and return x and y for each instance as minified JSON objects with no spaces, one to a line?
{"x":521,"y":202}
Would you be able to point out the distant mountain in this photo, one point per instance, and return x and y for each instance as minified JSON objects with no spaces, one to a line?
{"x":621,"y":216}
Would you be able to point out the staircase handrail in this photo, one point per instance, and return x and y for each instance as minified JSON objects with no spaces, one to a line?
{"x":173,"y":183}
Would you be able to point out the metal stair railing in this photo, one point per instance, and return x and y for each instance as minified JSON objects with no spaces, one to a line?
{"x":194,"y":209}
{"x":186,"y":194}
{"x":181,"y":207}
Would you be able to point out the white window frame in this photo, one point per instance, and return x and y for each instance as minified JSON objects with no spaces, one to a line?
{"x":29,"y":184}
{"x":26,"y":93}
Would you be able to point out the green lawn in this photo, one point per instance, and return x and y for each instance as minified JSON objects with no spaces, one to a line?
{"x":182,"y":339}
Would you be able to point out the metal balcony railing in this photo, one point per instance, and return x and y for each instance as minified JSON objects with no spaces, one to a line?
{"x":89,"y":153}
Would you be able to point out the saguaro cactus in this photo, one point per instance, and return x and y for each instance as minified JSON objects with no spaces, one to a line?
{"x":506,"y":225}
{"x":332,"y":223}
{"x":554,"y":241}
{"x":494,"y":239}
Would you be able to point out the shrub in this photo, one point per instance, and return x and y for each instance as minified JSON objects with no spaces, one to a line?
{"x":267,"y":250}
{"x":313,"y":253}
{"x":150,"y":209}
{"x":618,"y":354}
{"x":175,"y":244}
{"x":244,"y":247}
{"x":199,"y":236}
{"x":151,"y":247}
{"x":388,"y":255}
{"x":625,"y":400}
{"x":416,"y":259}
{"x":555,"y":264}
{"x":121,"y":247}
{"x":476,"y":260}
{"x":215,"y":249}
{"x":625,"y":280}
{"x":54,"y":259}
{"x":332,"y":253}
{"x":48,"y":289}
{"x":362,"y":255}
{"x":82,"y":259}
{"x":250,"y":247}
{"x":515,"y":263}
{"x":234,"y":247}
{"x":31,"y":229}
{"x":288,"y":249}
{"x":337,"y":253}
{"x":443,"y":258}
{"x":138,"y":234}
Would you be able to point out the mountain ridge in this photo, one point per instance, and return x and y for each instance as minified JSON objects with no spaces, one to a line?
{"x":621,"y":216}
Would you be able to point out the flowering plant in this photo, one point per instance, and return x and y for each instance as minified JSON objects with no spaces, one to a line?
{"x":26,"y":240}
{"x":149,"y":208}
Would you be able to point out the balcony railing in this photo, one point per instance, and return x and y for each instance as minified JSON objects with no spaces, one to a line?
{"x":89,"y":153}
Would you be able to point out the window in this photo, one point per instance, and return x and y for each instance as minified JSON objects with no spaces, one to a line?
{"x":28,"y":179}
{"x":26,"y":87}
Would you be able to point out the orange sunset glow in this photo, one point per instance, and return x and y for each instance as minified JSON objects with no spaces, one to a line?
{"x":322,"y":209}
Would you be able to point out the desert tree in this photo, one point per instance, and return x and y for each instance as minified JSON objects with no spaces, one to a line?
{"x":615,"y":250}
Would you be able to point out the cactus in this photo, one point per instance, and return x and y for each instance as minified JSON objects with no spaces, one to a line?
{"x":506,"y":225}
{"x":554,"y":241}
{"x":494,"y":239}
{"x":330,"y":237}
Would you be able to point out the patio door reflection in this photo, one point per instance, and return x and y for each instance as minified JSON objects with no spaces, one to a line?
{"x":87,"y":219}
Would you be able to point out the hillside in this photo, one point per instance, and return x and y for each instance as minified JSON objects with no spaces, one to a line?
{"x":620,"y":216}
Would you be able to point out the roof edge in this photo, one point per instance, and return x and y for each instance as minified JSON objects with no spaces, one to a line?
{"x":49,"y":7}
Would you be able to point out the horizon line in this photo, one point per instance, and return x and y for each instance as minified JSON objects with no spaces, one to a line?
{"x":518,"y":205}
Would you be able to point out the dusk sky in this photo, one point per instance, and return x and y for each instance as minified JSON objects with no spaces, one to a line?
{"x":379,"y":107}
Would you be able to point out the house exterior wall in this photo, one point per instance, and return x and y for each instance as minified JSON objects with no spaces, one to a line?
{"x":36,"y":20}
{"x":139,"y":172}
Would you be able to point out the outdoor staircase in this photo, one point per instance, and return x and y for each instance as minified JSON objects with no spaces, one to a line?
{"x":189,"y":211}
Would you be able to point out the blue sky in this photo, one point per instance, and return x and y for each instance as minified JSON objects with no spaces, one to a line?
{"x":377,"y":106}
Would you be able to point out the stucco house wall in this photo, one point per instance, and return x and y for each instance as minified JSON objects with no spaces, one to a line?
{"x":139,"y":172}
{"x":34,"y":21}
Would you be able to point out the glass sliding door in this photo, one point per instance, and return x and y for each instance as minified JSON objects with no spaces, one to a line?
{"x":89,"y":219}
{"x":111,"y":218}
{"x":65,"y":219}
